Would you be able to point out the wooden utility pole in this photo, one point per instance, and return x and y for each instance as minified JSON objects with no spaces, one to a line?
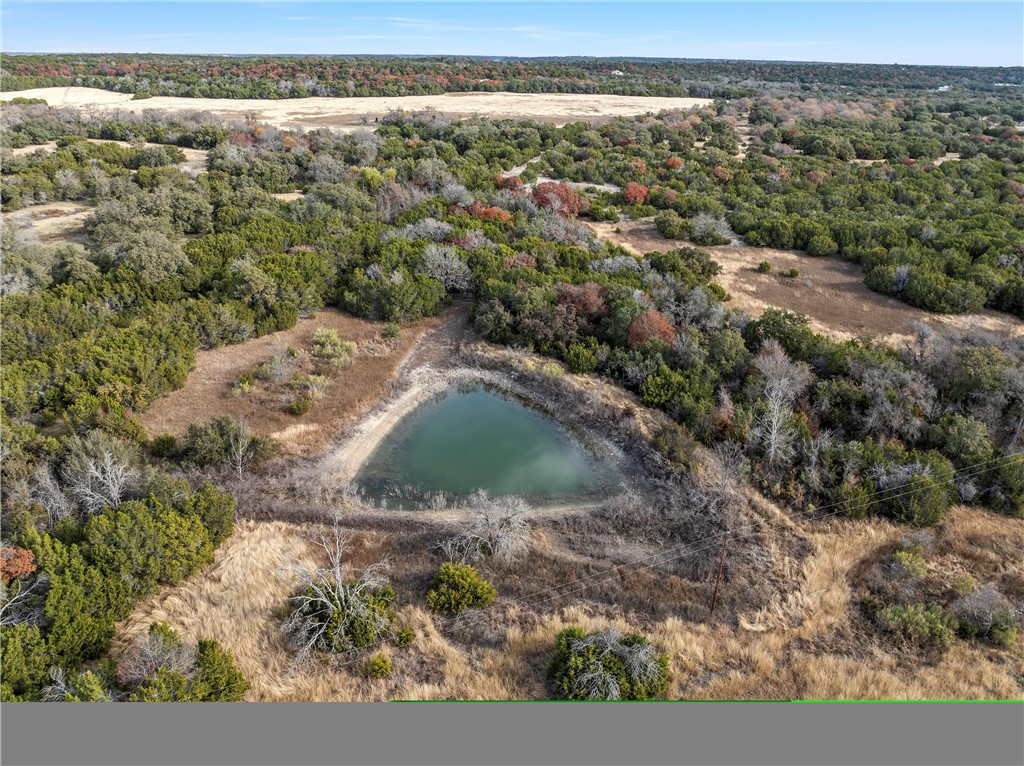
{"x":721,"y":567}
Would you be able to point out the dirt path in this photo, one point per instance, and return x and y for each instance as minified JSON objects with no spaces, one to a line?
{"x":830,"y":291}
{"x":352,"y":113}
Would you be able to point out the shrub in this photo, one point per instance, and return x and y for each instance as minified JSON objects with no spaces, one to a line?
{"x":379,"y":666}
{"x":635,"y":194}
{"x":26,"y":658}
{"x":552,"y":370}
{"x":163,"y":668}
{"x":764,"y":267}
{"x":920,"y":624}
{"x":963,"y":583}
{"x":300,"y":405}
{"x":677,"y":444}
{"x":458,"y":587}
{"x":986,"y":613}
{"x":217,"y":678}
{"x":328,"y":346}
{"x":164,"y":446}
{"x":392,"y":330}
{"x":329,"y":618}
{"x":793,"y":273}
{"x":606,"y":666}
{"x":580,"y":358}
{"x":671,"y":225}
{"x":557,"y":197}
{"x":211,"y":444}
{"x":647,"y":325}
{"x":314,"y":385}
{"x":405,"y":636}
{"x":16,"y":562}
{"x":909,"y":560}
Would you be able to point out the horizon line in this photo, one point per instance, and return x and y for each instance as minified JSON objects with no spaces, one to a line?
{"x":498,"y":57}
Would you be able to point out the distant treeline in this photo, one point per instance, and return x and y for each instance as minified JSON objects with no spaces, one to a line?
{"x":297,"y":77}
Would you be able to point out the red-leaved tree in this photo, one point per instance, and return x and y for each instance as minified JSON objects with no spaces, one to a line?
{"x":587,"y":300}
{"x":634,"y":193}
{"x":15,"y":563}
{"x":513,"y":184}
{"x":558,"y":197}
{"x":649,"y":324}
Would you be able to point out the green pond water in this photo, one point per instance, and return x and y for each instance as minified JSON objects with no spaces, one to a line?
{"x":472,"y":437}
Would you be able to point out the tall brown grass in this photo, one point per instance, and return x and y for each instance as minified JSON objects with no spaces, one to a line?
{"x":803,"y":645}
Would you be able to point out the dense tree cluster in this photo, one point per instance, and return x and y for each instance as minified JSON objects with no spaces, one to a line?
{"x":97,"y":561}
{"x":291,"y":77}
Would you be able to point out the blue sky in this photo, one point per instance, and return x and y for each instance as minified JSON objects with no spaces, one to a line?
{"x":982,"y":33}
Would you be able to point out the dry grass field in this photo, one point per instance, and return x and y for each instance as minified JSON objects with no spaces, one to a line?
{"x":208,"y":392}
{"x":351,"y":113}
{"x":54,"y":223}
{"x":811,"y":645}
{"x":830,"y":291}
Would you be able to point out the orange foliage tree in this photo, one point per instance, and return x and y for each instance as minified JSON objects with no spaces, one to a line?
{"x":635,"y":194}
{"x":647,"y":325}
{"x":15,"y":563}
{"x":558,"y":197}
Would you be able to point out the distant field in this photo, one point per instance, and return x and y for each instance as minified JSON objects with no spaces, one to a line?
{"x":830,"y":291}
{"x":558,"y":108}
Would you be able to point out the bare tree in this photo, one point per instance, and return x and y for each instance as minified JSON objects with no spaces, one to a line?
{"x":782,"y":381}
{"x":900,"y":401}
{"x":240,"y":446}
{"x":20,"y":604}
{"x":497,"y":528}
{"x":156,"y":651}
{"x":443,"y":263}
{"x":332,"y":599}
{"x":639,"y":661}
{"x":46,"y":491}
{"x":101,"y":482}
{"x":985,"y":609}
{"x":67,"y":687}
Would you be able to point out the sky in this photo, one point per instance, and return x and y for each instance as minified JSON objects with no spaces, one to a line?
{"x":951,"y":33}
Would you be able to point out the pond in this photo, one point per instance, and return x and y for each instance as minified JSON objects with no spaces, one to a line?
{"x":473,"y":437}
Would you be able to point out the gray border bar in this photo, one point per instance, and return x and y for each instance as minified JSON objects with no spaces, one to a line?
{"x":452,"y":734}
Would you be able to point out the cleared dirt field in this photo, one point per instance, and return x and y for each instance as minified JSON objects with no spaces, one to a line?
{"x":208,"y":392}
{"x":830,"y":291}
{"x":53,"y":223}
{"x":348,"y":113}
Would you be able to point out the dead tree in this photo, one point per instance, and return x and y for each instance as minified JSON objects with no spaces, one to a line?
{"x":240,"y":446}
{"x":497,"y":529}
{"x":782,"y":381}
{"x":100,"y":482}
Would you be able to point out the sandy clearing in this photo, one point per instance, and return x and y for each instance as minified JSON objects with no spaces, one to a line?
{"x":194,"y":164}
{"x":830,"y":291}
{"x":52,"y":223}
{"x":347,"y":113}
